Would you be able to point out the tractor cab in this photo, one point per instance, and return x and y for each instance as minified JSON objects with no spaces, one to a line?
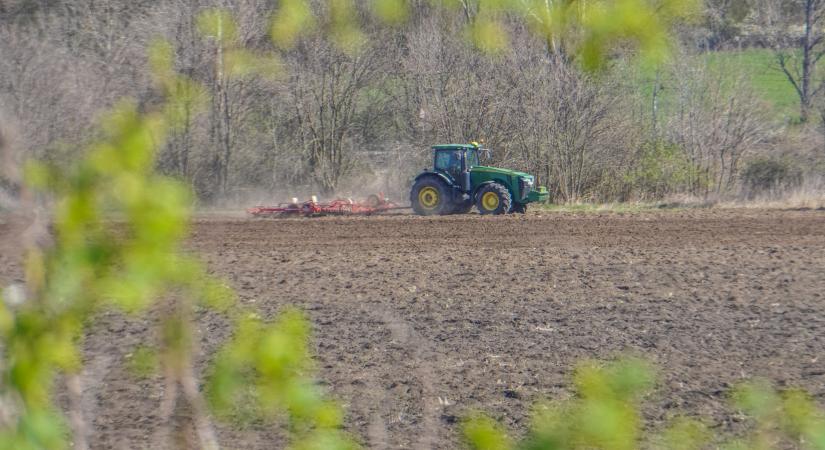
{"x":456,"y":162}
{"x":458,"y":182}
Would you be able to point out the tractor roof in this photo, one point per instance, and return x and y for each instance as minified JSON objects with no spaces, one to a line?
{"x":453,"y":146}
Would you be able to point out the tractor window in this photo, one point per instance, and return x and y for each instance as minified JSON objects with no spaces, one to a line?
{"x":448,"y":161}
{"x":472,"y":158}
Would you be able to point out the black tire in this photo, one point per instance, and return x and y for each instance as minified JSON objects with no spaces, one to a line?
{"x":430,"y":189}
{"x":373,"y":201}
{"x":463,"y":207}
{"x":484,"y":199}
{"x":520,"y":208}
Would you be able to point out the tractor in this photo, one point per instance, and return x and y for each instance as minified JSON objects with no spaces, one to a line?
{"x":458,"y":182}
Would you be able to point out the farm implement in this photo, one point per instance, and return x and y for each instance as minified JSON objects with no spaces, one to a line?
{"x":374,"y":204}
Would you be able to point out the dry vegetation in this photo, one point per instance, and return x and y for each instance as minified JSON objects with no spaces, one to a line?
{"x":332,"y":120}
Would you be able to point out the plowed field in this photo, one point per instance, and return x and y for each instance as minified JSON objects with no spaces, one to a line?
{"x":419,"y":320}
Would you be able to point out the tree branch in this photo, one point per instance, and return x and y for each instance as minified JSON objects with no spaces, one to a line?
{"x":782,"y":60}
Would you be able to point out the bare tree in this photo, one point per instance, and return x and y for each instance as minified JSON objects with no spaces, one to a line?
{"x":717,"y":120}
{"x":811,"y":45}
{"x":325,"y":91}
{"x":450,"y":92}
{"x":571,"y":129}
{"x":336,"y":115}
{"x":39,"y":85}
{"x":724,"y":19}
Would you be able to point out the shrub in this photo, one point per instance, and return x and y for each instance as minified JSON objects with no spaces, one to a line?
{"x":769,"y":176}
{"x":662,"y":169}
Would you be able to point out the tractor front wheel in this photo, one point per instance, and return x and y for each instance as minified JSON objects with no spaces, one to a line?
{"x":428,"y":197}
{"x":493,"y":199}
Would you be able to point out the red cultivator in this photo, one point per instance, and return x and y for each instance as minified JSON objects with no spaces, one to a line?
{"x":374,"y":204}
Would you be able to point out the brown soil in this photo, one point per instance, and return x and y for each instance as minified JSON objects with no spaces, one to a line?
{"x":418,"y":321}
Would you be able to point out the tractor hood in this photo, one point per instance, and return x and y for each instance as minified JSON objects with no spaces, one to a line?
{"x":500,"y":171}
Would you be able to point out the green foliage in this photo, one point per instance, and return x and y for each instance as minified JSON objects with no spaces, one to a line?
{"x":293,"y":18}
{"x":591,"y":29}
{"x":484,"y":433}
{"x":343,"y":26}
{"x":605,"y":414}
{"x":789,"y":416}
{"x":488,"y":35}
{"x":684,"y":434}
{"x":117,"y":231}
{"x":391,"y":11}
{"x":644,"y":23}
{"x":264,"y":370}
{"x":182,"y":94}
{"x":243,"y":63}
{"x":93,"y":263}
{"x":219,"y":25}
{"x":234,"y":61}
{"x":594,"y":29}
{"x":142,"y":362}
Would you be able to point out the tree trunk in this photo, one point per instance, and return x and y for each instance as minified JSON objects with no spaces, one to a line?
{"x":807,"y":61}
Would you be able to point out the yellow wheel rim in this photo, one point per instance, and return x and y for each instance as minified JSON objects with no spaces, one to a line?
{"x":428,"y":197}
{"x":489,"y":201}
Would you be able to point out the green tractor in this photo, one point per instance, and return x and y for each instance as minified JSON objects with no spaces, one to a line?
{"x":458,"y":182}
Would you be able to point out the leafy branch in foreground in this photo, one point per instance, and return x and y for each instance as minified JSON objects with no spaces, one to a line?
{"x":588,"y":30}
{"x":605,"y":414}
{"x":117,"y":231}
{"x":265,"y":370}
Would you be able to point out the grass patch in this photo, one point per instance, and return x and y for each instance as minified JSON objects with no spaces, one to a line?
{"x":767,"y":79}
{"x":608,"y":207}
{"x":758,"y":65}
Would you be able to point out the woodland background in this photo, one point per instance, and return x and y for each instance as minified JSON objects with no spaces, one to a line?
{"x":736,"y":111}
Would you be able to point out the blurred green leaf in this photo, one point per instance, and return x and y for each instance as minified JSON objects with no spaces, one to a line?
{"x":685,"y":434}
{"x":219,"y":25}
{"x":393,"y":12}
{"x":272,"y":364}
{"x":757,"y":399}
{"x":293,"y":18}
{"x":488,"y":35}
{"x":241,"y":63}
{"x":344,"y":29}
{"x":161,"y":57}
{"x":142,"y":362}
{"x":483,"y":433}
{"x":136,"y":260}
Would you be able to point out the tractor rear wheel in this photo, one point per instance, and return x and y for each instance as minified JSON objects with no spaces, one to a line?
{"x":493,"y":199}
{"x":428,"y":197}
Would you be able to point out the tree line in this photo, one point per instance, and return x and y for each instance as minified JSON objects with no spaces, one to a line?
{"x":338,"y":116}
